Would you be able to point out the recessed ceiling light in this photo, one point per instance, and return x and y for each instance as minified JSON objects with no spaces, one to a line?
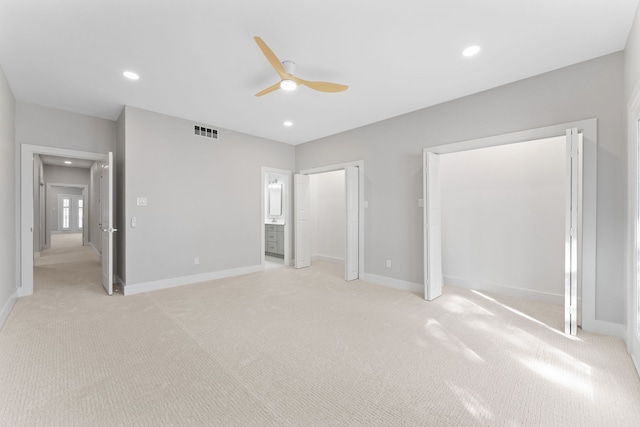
{"x":67,"y":162}
{"x":288,"y":85}
{"x":288,"y":123}
{"x":130,"y":75}
{"x":471,"y":51}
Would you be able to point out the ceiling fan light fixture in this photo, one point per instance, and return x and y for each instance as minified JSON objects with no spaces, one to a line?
{"x":288,"y":85}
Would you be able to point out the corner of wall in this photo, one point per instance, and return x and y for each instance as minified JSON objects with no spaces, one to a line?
{"x":9,"y":211}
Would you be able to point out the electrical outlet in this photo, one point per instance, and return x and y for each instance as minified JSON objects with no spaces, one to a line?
{"x":388,"y":263}
{"x":196,"y":261}
{"x":421,"y":203}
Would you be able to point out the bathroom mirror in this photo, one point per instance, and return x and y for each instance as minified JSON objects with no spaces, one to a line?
{"x":275,"y":199}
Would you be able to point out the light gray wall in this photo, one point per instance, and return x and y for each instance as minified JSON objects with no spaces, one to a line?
{"x":632,"y":58}
{"x":204,"y":197}
{"x":50,"y":127}
{"x":392,"y":153}
{"x":65,"y":175}
{"x":328,"y":215}
{"x":503,"y":218}
{"x":7,"y":195}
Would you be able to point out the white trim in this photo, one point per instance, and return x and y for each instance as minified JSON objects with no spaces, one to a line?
{"x":632,"y":339}
{"x":636,"y":363}
{"x":546,"y":297}
{"x":589,"y":128}
{"x":326,"y":258}
{"x":8,"y":306}
{"x":187,"y":280}
{"x":342,"y":166}
{"x":390,"y":282}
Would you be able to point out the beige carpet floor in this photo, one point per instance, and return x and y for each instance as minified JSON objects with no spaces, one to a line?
{"x":288,"y":347}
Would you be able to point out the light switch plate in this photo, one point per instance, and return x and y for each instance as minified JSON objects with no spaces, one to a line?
{"x":142,"y":201}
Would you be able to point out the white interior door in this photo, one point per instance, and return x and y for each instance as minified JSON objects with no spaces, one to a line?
{"x":571,"y":235}
{"x":432,"y":227}
{"x":352,"y":197}
{"x":303,"y":225}
{"x":106,"y":221}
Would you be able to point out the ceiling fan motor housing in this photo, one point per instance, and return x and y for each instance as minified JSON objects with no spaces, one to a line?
{"x":289,"y":66}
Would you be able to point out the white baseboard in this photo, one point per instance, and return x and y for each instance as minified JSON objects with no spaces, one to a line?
{"x":138,"y":288}
{"x":327,"y":259}
{"x":6,"y":308}
{"x":505,"y":290}
{"x":636,"y":363}
{"x":392,"y":283}
{"x":95,"y":249}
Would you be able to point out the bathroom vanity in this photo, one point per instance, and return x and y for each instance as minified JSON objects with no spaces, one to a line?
{"x":274,"y":239}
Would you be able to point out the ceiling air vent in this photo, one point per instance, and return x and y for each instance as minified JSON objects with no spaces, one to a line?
{"x":205,"y":131}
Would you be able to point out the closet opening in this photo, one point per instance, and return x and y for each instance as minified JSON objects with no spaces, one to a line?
{"x":329,"y":217}
{"x":518,"y":227}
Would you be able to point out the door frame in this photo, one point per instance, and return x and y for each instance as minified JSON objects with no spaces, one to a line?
{"x":632,"y":335}
{"x":286,"y":209}
{"x":25,"y":251}
{"x":343,"y":166}
{"x":589,"y":191}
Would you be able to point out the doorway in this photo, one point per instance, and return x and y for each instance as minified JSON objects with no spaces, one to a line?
{"x":349,"y":176}
{"x":275,"y":218}
{"x":65,"y":210}
{"x":580,"y":191}
{"x":32,"y":225}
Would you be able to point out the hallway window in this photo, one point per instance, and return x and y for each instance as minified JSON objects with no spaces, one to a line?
{"x":80,"y":214}
{"x":66,"y":211}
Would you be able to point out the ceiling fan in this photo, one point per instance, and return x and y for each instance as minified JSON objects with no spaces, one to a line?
{"x":288,"y":81}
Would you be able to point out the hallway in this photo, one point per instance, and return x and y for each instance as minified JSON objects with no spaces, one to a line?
{"x":67,"y":265}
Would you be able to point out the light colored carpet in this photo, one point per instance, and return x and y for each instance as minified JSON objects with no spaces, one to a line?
{"x":292,"y":347}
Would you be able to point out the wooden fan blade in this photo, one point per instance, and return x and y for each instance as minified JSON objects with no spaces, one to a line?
{"x":271,"y":57}
{"x":269,"y":89}
{"x":324,"y":86}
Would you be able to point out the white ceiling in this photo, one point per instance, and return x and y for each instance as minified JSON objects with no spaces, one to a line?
{"x":197,"y":58}
{"x":60,"y":161}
